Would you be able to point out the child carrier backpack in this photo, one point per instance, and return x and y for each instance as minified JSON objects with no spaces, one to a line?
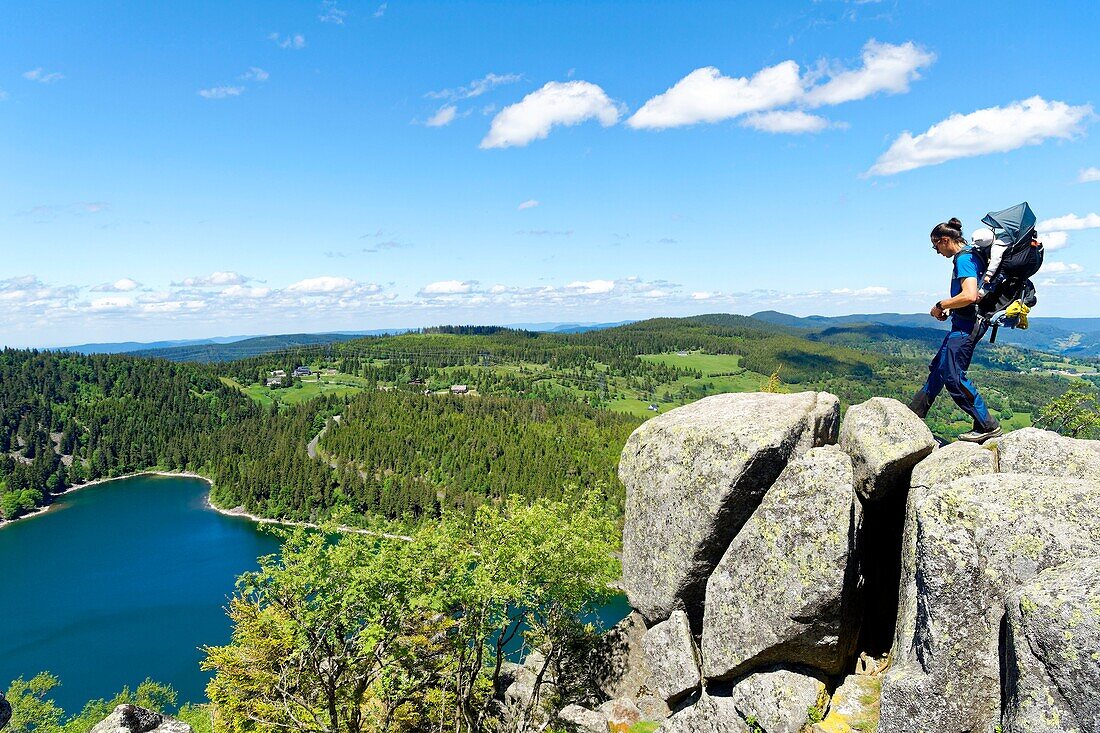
{"x":1011,"y":294}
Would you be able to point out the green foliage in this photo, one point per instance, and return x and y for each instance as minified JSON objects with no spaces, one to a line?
{"x":1075,"y":413}
{"x":149,"y":694}
{"x":355,"y":633}
{"x":32,"y":711}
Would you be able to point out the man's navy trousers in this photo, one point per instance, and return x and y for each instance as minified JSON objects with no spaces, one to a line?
{"x":948,"y":371}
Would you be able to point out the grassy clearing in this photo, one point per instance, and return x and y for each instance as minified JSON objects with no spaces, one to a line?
{"x":708,"y":364}
{"x":341,"y":384}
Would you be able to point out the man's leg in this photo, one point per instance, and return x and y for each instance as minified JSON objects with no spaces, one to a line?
{"x":926,"y":395}
{"x":959,"y":349}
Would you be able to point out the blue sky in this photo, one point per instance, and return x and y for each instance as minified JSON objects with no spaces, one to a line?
{"x":203,"y":168}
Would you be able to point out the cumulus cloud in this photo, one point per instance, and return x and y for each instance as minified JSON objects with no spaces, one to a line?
{"x":295,"y":41}
{"x":213,"y":280}
{"x":444,"y":116}
{"x":786,"y":121}
{"x":475,"y":88}
{"x":255,"y":73}
{"x":556,"y":103}
{"x":447,"y":287}
{"x":381,"y":10}
{"x":886,"y":68}
{"x":1054,"y":240}
{"x":221,"y":92}
{"x":528,"y":204}
{"x":1069,"y":222}
{"x":243,"y":291}
{"x":323,"y":284}
{"x":1061,"y":268}
{"x":42,"y":76}
{"x":1089,"y":175}
{"x":991,"y":130}
{"x":703,"y":295}
{"x":122,"y":285}
{"x":592,"y":287}
{"x":705,"y":95}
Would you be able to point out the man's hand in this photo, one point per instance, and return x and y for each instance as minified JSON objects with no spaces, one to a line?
{"x":938,"y":313}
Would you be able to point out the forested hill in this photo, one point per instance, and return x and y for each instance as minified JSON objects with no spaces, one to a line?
{"x":1079,"y":337}
{"x":447,"y":417}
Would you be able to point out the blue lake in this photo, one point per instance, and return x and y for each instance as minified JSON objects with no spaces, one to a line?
{"x":126,"y":580}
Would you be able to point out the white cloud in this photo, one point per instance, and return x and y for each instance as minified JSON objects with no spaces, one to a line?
{"x":331,"y":14}
{"x":1069,"y":222}
{"x":871,"y":291}
{"x":528,"y":204}
{"x":381,"y":10}
{"x":295,"y":41}
{"x":556,"y":103}
{"x":1087,"y":175}
{"x":592,"y":287}
{"x":992,"y":130}
{"x":1060,"y":268}
{"x":786,"y":121}
{"x":703,"y":295}
{"x":221,"y":92}
{"x":886,"y":68}
{"x":323,"y":284}
{"x":1054,"y":240}
{"x":122,"y":285}
{"x":255,"y":73}
{"x":243,"y":291}
{"x":705,"y":95}
{"x":444,"y":116}
{"x":43,"y":77}
{"x":214,"y":279}
{"x":447,"y":287}
{"x":475,"y":88}
{"x":111,"y":303}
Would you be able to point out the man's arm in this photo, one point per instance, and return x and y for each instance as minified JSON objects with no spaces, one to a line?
{"x":968,"y":296}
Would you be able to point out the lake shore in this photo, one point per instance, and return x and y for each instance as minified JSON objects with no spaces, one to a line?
{"x":95,"y":482}
{"x":234,"y":512}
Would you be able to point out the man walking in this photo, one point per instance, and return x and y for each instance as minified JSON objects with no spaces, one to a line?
{"x":948,"y":367}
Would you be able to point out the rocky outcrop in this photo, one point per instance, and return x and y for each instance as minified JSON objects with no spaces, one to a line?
{"x":694,"y":475}
{"x":981,"y":564}
{"x":582,"y":720}
{"x":977,"y":541}
{"x":784,"y":590}
{"x":621,"y":668}
{"x":1053,"y":652}
{"x":522,"y":705}
{"x":939,"y":469}
{"x":672,"y":658}
{"x":1044,"y":453}
{"x":854,"y":706}
{"x":5,"y":711}
{"x":134,"y":719}
{"x":885,"y":440}
{"x":777,"y":701}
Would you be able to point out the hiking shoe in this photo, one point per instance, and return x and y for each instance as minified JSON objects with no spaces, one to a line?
{"x":980,"y":436}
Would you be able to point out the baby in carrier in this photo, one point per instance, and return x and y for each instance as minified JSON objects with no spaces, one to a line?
{"x":994,"y":249}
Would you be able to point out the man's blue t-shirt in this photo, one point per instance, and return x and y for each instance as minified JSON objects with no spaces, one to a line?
{"x":967,"y":264}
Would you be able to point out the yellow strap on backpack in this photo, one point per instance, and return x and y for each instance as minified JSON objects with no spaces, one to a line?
{"x":1018,"y":310}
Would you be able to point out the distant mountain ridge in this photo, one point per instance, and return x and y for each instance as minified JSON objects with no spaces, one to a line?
{"x":1079,"y":337}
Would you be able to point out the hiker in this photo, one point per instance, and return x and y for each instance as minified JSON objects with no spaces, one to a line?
{"x":948,"y":367}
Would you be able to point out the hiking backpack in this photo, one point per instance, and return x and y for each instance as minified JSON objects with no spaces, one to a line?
{"x":1022,"y":259}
